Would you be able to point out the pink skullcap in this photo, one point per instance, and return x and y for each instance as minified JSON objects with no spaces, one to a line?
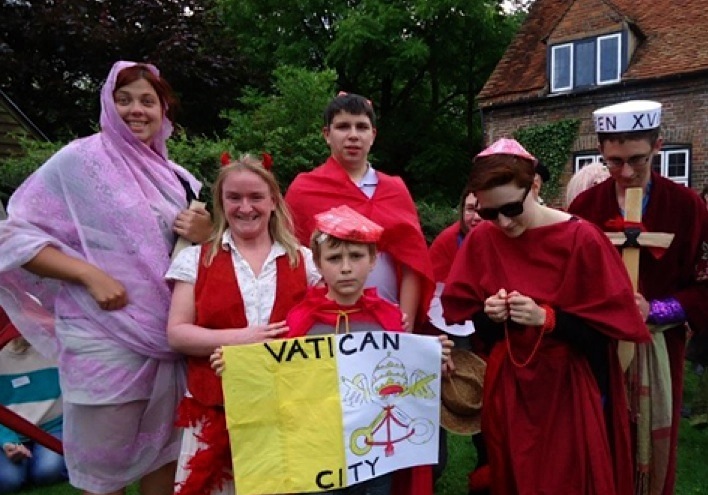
{"x":347,"y":225}
{"x":506,"y":146}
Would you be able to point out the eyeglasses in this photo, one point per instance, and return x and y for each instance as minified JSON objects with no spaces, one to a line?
{"x":635,"y":161}
{"x":509,"y":210}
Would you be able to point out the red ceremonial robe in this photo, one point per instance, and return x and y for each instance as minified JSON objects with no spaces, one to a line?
{"x":544,"y":424}
{"x":391,"y":206}
{"x":219,"y":304}
{"x":681,"y":272}
{"x":443,"y":250}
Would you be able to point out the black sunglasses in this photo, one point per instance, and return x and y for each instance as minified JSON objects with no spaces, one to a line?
{"x":509,"y":210}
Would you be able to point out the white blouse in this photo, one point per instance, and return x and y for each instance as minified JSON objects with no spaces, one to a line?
{"x":258,"y":293}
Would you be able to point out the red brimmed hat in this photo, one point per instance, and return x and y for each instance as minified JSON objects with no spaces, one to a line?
{"x":505,"y":146}
{"x":346,"y":224}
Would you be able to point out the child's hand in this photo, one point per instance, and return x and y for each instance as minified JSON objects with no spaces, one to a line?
{"x":447,"y":366}
{"x":16,"y":452}
{"x":405,"y":323}
{"x":217,"y":361}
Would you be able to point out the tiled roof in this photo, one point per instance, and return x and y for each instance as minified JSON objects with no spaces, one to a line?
{"x":674,"y":41}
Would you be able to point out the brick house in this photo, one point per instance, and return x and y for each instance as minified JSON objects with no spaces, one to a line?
{"x":571,"y":57}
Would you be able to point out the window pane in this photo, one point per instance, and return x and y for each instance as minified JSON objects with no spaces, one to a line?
{"x":609,"y":63}
{"x":562,"y":56}
{"x":677,"y":164}
{"x":656,"y":163}
{"x":585,"y":63}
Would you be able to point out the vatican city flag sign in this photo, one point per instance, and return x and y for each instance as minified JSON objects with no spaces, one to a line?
{"x":325,"y":412}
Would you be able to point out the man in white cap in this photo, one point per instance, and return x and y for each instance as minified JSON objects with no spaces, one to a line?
{"x":672,"y":284}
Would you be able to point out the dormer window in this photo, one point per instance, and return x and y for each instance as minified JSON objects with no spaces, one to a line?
{"x":586,"y":63}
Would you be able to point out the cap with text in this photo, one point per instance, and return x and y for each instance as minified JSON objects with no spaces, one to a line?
{"x":345,"y":224}
{"x":630,"y":116}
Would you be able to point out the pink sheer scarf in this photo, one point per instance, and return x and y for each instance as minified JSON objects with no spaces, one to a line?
{"x":110,"y":200}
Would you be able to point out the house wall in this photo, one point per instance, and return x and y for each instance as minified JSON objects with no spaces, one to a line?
{"x":684,"y":117}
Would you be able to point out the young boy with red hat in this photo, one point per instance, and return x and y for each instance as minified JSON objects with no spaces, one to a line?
{"x":344,"y":250}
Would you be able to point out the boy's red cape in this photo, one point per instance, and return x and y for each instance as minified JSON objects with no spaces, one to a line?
{"x":317,"y":308}
{"x":391,"y":206}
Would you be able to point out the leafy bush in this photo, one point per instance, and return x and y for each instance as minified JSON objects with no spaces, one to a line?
{"x":14,"y":170}
{"x":434,"y":218}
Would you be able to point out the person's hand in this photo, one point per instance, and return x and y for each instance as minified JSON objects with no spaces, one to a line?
{"x":193,"y":224}
{"x":265,"y":333}
{"x":447,"y":366}
{"x":643,"y":305}
{"x":108,"y":293}
{"x":217,"y":361}
{"x":524,"y":310}
{"x":405,"y":323}
{"x":16,"y":452}
{"x":496,"y":307}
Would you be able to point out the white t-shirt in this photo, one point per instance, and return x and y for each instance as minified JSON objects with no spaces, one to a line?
{"x":258,"y":293}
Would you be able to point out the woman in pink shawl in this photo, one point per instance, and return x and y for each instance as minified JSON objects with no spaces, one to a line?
{"x":89,"y":235}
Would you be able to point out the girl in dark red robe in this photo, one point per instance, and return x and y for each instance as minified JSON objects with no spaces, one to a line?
{"x":550,"y":295}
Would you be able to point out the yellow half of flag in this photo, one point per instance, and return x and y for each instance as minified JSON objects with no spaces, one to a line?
{"x":284,"y":395}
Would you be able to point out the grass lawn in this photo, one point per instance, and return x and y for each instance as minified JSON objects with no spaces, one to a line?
{"x":692,"y":473}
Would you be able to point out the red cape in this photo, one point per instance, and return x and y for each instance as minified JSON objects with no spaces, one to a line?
{"x":545,"y":427}
{"x":443,"y":250}
{"x":391,"y":207}
{"x":681,"y":272}
{"x":317,"y":308}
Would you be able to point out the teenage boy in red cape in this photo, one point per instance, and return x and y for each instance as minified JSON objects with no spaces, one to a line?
{"x":673,"y":284}
{"x":403,"y":273}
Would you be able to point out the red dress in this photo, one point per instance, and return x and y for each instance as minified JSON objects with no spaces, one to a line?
{"x":443,"y":250}
{"x":544,"y":424}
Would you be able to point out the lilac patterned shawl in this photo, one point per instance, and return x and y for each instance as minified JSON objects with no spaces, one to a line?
{"x":110,"y":200}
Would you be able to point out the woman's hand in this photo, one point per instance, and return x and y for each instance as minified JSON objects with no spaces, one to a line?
{"x":193,"y":224}
{"x":217,"y":361}
{"x":524,"y":310}
{"x":264,"y":333}
{"x":496,"y":307}
{"x":108,"y":293}
{"x":16,"y":452}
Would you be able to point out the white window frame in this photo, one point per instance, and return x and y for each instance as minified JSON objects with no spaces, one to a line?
{"x":598,"y":62}
{"x":569,"y":47}
{"x":582,"y":159}
{"x":664,"y":157}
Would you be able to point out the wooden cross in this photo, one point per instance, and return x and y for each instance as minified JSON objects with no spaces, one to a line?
{"x":631,"y":240}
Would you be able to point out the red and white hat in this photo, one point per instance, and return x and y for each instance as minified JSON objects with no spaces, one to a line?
{"x":505,"y":146}
{"x":346,"y":224}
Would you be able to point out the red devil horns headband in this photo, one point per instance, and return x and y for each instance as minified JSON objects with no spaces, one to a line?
{"x":266,"y":160}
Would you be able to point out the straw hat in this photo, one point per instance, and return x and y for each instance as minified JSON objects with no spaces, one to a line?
{"x":461,"y":408}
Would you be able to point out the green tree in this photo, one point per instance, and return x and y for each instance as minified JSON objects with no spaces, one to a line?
{"x":55,"y":55}
{"x":422,"y":62}
{"x":286,"y":123}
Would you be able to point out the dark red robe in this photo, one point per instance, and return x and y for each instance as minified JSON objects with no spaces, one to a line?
{"x":443,"y":250}
{"x":544,"y":424}
{"x":681,"y":272}
{"x":391,"y":206}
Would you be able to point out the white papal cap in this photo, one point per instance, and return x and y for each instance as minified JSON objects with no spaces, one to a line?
{"x":630,"y":116}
